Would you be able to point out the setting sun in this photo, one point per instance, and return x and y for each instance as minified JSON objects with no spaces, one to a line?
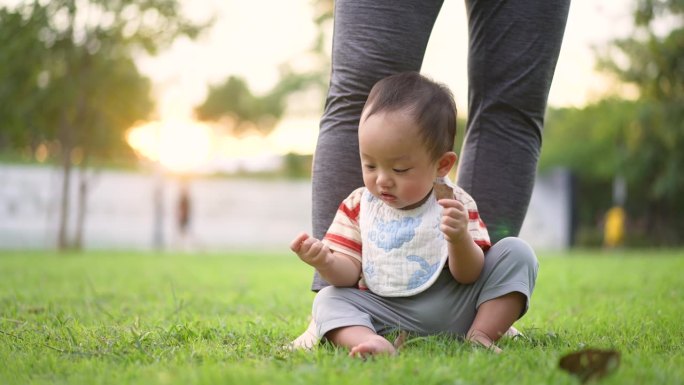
{"x":179,"y":145}
{"x":183,"y":145}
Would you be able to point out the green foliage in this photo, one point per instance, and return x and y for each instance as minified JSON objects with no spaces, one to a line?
{"x":235,"y":101}
{"x":68,"y":74}
{"x":236,"y":105}
{"x":297,"y":166}
{"x":639,"y":140}
{"x":589,"y":141}
{"x":21,"y":75}
{"x":131,"y":318}
{"x":78,"y":89}
{"x":654,"y":63}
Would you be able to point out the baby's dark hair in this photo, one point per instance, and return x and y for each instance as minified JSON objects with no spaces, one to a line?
{"x":430,"y":104}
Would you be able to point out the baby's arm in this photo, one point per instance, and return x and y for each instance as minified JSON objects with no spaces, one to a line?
{"x":337,"y":268}
{"x":466,"y":258}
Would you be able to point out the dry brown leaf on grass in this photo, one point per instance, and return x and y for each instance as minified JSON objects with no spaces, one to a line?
{"x":400,"y":340}
{"x":590,"y":364}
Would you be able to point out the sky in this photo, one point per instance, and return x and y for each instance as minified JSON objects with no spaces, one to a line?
{"x":253,"y":38}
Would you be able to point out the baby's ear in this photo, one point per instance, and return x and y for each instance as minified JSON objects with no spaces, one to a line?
{"x":446,"y":162}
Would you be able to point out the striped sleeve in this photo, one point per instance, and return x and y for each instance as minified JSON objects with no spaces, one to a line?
{"x":344,"y":234}
{"x":476,"y":227}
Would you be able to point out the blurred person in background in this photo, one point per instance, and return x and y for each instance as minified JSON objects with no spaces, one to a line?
{"x":183,"y":216}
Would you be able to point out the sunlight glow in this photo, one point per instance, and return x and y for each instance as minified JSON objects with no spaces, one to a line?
{"x":294,"y":135}
{"x":185,"y":145}
{"x":179,"y":145}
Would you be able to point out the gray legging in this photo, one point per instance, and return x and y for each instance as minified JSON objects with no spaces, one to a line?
{"x":514,"y":46}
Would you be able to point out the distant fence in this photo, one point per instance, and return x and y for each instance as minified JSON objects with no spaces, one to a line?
{"x":225,"y":213}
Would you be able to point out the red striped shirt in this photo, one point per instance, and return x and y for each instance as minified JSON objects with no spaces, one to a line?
{"x":344,"y":234}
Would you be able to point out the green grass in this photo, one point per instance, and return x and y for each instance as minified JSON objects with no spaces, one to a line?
{"x":117,"y":318}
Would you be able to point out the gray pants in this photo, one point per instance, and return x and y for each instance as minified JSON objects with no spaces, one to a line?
{"x":514,"y":46}
{"x":446,"y":307}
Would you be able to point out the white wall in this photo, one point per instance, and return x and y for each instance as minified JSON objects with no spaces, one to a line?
{"x":548,"y":223}
{"x":226,"y":213}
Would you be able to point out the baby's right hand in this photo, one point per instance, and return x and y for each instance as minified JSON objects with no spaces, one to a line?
{"x":310,"y":250}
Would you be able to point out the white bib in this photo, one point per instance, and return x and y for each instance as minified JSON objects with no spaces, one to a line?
{"x":404,"y":251}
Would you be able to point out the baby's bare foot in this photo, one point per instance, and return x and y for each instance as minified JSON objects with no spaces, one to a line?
{"x":306,"y":340}
{"x":373,"y":346}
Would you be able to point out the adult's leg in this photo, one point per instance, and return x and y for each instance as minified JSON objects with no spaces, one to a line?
{"x":514,"y":47}
{"x":372,"y":39}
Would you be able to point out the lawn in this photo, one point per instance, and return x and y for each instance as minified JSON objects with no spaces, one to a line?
{"x":134,"y":318}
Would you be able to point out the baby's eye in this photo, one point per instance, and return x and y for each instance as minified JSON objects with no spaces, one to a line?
{"x":369,"y":166}
{"x":400,"y":170}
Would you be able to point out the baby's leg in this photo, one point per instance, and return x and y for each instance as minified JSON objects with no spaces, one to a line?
{"x":307,"y":339}
{"x":361,"y":341}
{"x":508,"y":281}
{"x":357,"y":319}
{"x":494,"y":318}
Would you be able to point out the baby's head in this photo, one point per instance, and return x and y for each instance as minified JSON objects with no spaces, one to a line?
{"x":429,"y":105}
{"x":406,"y":138}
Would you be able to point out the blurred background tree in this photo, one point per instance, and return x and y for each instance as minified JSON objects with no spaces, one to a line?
{"x":234,"y":104}
{"x":70,"y":87}
{"x":238,"y":110}
{"x":638,"y":140}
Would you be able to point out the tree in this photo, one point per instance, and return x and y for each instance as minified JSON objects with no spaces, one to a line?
{"x":587,"y":141}
{"x":652,"y":59}
{"x":21,"y":78}
{"x":235,"y":102}
{"x":81,"y":88}
{"x":639,"y":140}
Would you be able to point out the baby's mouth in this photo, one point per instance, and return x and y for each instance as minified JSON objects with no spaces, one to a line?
{"x":387,"y":196}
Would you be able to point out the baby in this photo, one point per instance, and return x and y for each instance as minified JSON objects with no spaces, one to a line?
{"x":400,"y":258}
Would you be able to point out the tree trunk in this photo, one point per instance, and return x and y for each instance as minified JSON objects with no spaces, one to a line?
{"x":63,"y":232}
{"x":82,"y":203}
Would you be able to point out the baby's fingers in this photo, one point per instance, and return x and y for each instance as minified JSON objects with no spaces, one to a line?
{"x":296,"y":245}
{"x":313,"y":247}
{"x":447,"y":203}
{"x":454,"y":214}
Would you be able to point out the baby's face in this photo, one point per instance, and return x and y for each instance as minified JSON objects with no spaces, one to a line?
{"x":397,"y":167}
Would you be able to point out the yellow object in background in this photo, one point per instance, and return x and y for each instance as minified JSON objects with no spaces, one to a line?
{"x":614,"y":227}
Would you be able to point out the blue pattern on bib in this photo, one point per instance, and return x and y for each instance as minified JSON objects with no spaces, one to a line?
{"x":419,"y":277}
{"x":369,"y":270}
{"x":393,"y":234}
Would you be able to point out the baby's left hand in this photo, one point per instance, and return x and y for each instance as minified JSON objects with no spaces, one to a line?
{"x":454,"y":220}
